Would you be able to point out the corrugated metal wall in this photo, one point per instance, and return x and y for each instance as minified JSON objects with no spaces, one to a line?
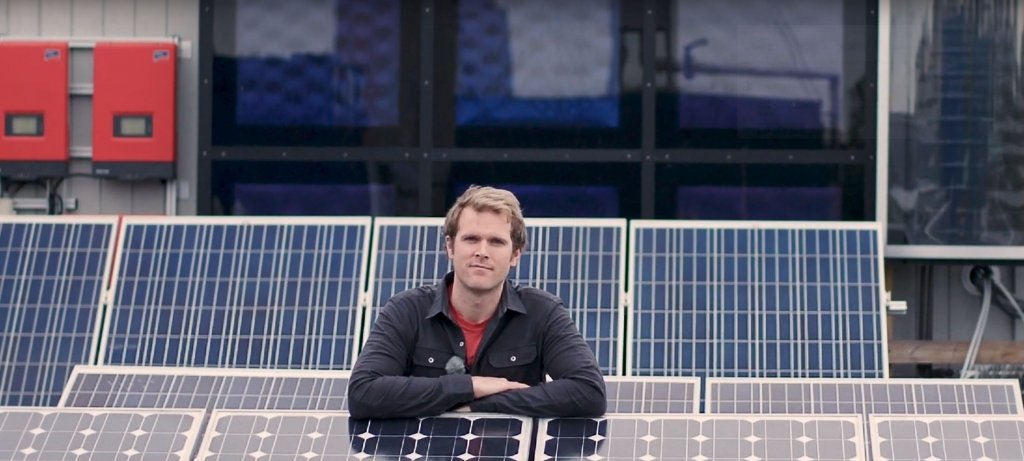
{"x":118,"y":18}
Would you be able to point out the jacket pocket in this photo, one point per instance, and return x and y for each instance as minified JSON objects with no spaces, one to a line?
{"x":514,"y":357}
{"x":430,"y":358}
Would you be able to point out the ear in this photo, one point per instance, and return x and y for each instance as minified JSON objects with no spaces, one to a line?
{"x":515,"y":257}
{"x":448,"y":247}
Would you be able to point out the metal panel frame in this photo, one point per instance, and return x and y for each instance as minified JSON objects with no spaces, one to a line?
{"x":874,"y":421}
{"x":636,"y":225}
{"x":525,"y":437}
{"x":691,"y":380}
{"x":105,"y":277}
{"x":127,"y":221}
{"x":81,"y":370}
{"x":855,"y":420}
{"x":191,"y":436}
{"x":713,"y":382}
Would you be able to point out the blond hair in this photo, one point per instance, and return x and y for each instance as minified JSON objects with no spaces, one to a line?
{"x":483,"y":198}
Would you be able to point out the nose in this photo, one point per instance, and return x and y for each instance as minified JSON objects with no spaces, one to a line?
{"x":480,"y":253}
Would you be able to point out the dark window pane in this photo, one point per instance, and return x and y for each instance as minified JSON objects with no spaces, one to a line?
{"x":956,"y":161}
{"x":545,"y":189}
{"x":315,"y":73}
{"x":536,"y":73}
{"x":760,"y":192}
{"x":315,"y":188}
{"x":764,"y":74}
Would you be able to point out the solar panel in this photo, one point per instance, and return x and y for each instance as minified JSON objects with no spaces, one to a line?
{"x":932,"y":438}
{"x":97,"y":435}
{"x":581,"y":261}
{"x":705,"y":437}
{"x":53,"y":272}
{"x":252,"y":435}
{"x":206,"y":388}
{"x":864,"y":396}
{"x":676,"y":394}
{"x":237,"y":292}
{"x":756,"y":299}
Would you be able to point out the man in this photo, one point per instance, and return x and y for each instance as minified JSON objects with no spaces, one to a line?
{"x":476,"y":342}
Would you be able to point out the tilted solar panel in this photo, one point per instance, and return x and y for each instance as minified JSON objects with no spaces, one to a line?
{"x":864,"y":396}
{"x":252,"y":435}
{"x":237,"y":292}
{"x":206,"y":388}
{"x":700,"y":437}
{"x":672,"y":395}
{"x":31,"y":434}
{"x":756,"y":299}
{"x":582,"y":261}
{"x":929,"y":438}
{"x":53,"y":273}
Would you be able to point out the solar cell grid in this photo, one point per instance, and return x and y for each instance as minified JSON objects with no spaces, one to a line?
{"x":31,"y":434}
{"x":240,"y":435}
{"x":718,"y":437}
{"x":53,"y":272}
{"x":581,"y":261}
{"x":231,"y":292}
{"x":755,"y":299}
{"x":906,"y":438}
{"x":174,"y":387}
{"x":677,"y":395}
{"x":864,"y":396}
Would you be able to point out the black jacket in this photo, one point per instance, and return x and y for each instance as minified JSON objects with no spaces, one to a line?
{"x":401,"y":370}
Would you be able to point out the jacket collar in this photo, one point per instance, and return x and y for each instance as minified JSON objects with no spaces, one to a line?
{"x":509,"y":298}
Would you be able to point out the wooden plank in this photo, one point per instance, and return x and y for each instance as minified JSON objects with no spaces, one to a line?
{"x":992,"y":352}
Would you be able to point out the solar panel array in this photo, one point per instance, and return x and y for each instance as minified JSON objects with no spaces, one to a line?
{"x":228,"y":292}
{"x":914,"y":438}
{"x":250,"y":435}
{"x":206,"y":388}
{"x":635,"y":437}
{"x":657,"y":395}
{"x":31,"y":434}
{"x":864,"y":396}
{"x":53,"y":272}
{"x":750,"y":299}
{"x":582,"y":261}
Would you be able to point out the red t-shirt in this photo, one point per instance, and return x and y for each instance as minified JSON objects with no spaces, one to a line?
{"x":473,"y":332}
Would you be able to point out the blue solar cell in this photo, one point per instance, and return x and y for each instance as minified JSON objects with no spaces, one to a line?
{"x":580,"y":261}
{"x":52,"y":276}
{"x":747,"y":299}
{"x":257,"y":293}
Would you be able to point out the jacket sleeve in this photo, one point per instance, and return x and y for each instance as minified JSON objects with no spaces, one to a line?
{"x":378,"y":387}
{"x":576,"y":387}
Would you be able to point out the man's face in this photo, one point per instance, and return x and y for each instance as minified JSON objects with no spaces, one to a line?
{"x":481,"y":251}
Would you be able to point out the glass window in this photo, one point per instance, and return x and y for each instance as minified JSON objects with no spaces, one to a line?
{"x":549,"y":189}
{"x":537,"y":73}
{"x":315,"y":73}
{"x":760,"y":192}
{"x":764,"y":74}
{"x":956,"y":161}
{"x":315,"y":188}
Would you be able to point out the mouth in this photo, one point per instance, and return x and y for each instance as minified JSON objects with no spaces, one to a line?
{"x":478,"y":266}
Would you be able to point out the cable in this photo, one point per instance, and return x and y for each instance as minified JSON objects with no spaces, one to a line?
{"x":979,"y":328}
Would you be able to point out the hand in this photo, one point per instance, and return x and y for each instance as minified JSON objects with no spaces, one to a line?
{"x":489,"y":385}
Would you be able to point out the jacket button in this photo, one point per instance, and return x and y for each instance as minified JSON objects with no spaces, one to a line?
{"x":462,"y":343}
{"x":513,"y":358}
{"x":430,"y":360}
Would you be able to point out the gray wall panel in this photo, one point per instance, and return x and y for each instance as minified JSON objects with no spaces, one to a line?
{"x":151,"y":17}
{"x":86,"y":17}
{"x":24,"y":17}
{"x":55,"y":17}
{"x":119,"y":18}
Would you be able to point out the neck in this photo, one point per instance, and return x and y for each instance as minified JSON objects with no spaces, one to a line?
{"x":473,"y":306}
